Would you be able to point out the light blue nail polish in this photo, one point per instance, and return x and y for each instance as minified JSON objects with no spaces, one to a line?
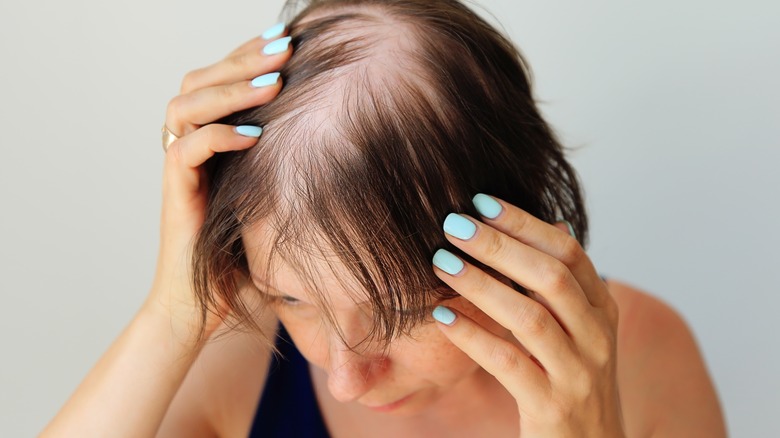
{"x":273,"y":31}
{"x":249,"y":131}
{"x":265,"y":80}
{"x":277,"y":46}
{"x":447,"y":262}
{"x":443,"y":315}
{"x":571,"y":228}
{"x":458,"y":226}
{"x":486,"y":206}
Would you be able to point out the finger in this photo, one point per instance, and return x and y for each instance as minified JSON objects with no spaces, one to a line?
{"x":242,"y":66}
{"x":274,"y":32}
{"x":186,"y":154}
{"x":518,"y":373}
{"x":189,"y":111}
{"x":558,"y":242}
{"x":528,"y":320}
{"x":546,"y":276}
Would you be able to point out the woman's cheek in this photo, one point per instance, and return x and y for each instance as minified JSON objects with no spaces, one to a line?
{"x":433,"y":354}
{"x":429,"y":355}
{"x":304,"y":329}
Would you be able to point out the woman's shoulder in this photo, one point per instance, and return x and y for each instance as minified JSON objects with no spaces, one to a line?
{"x":645,"y":321}
{"x":220,"y":393}
{"x":664,"y":383}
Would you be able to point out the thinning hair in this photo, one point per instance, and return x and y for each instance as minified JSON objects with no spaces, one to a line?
{"x":393,"y":114}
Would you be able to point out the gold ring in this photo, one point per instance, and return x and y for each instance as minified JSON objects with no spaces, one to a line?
{"x":168,"y":137}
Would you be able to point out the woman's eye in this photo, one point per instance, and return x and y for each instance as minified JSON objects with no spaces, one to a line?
{"x":289,"y":301}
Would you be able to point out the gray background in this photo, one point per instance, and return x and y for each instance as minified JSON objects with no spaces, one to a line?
{"x":673,"y":104}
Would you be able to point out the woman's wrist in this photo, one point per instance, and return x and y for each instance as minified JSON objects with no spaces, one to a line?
{"x":180,"y":322}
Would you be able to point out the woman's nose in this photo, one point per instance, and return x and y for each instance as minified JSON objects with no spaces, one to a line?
{"x":351,"y":374}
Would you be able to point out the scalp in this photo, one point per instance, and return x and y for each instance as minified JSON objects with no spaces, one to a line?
{"x":392,"y":114}
{"x":355,"y":94}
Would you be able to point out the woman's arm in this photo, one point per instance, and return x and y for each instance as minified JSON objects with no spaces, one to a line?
{"x":129,"y":390}
{"x":220,"y":394}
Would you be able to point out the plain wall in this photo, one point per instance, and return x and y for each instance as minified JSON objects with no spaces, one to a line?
{"x":672,"y":104}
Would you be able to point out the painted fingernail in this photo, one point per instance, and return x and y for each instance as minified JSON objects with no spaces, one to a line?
{"x":571,"y":228}
{"x":443,"y":315}
{"x":458,"y":226}
{"x":447,"y":262}
{"x":486,"y":205}
{"x":249,"y":131}
{"x":277,"y":46}
{"x":273,"y":31}
{"x":265,"y":80}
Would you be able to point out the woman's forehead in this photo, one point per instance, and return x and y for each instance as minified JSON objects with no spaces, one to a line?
{"x":323,"y":271}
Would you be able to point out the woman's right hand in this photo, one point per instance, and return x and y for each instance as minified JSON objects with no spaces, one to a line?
{"x":130,"y":389}
{"x":247,"y":77}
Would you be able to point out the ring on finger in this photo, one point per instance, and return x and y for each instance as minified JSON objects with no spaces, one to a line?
{"x":168,"y":137}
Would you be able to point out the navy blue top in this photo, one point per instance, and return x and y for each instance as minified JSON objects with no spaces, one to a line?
{"x":288,"y":406}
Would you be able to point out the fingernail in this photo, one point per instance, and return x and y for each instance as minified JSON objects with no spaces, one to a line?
{"x":273,"y":31}
{"x":570,"y":227}
{"x":443,"y":315}
{"x":265,"y":80}
{"x":277,"y":46}
{"x":249,"y":131}
{"x":447,"y":262}
{"x":486,"y":206}
{"x":460,"y":227}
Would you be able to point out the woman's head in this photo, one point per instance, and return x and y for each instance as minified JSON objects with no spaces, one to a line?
{"x":393,"y":114}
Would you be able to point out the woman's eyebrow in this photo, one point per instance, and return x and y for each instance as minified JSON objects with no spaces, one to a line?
{"x":267,"y":286}
{"x":279,"y":293}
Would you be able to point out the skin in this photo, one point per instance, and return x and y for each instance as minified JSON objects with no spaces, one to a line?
{"x":565,"y":383}
{"x":424,"y":365}
{"x":212,"y":389}
{"x":452,"y":382}
{"x":664,"y":386}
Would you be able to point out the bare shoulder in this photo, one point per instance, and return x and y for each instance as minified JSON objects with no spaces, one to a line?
{"x":665,"y":388}
{"x":219,"y":395}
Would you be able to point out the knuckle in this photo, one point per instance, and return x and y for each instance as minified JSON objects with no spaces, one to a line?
{"x":226,"y":93}
{"x":239,"y":62}
{"x":482,"y":284}
{"x":571,"y":252}
{"x":532,"y":318}
{"x":556,"y":275}
{"x":231,"y":96}
{"x":503,"y":357}
{"x":519,"y":224}
{"x":190,"y":81}
{"x":601,"y":354}
{"x":211,"y":134}
{"x":496,"y":248}
{"x":611,"y":309}
{"x":468,"y":334}
{"x":602,"y":349}
{"x":582,"y":388}
{"x":174,"y":107}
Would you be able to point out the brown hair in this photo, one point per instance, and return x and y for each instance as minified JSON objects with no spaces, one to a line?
{"x":393,"y":114}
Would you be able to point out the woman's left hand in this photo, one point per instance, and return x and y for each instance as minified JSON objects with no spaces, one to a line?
{"x":561,"y":365}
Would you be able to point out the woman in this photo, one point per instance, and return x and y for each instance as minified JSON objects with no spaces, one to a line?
{"x":393,"y":216}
